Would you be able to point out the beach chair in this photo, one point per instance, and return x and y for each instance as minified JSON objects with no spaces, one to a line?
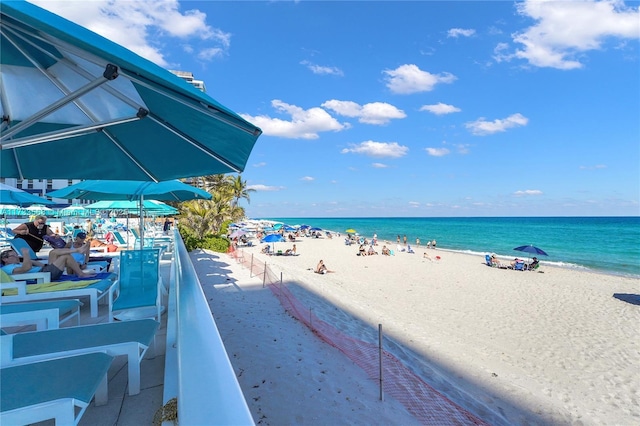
{"x":102,"y":288}
{"x":44,"y":315}
{"x":59,"y":389}
{"x":487,"y":260}
{"x":141,"y":286}
{"x":519,"y":266}
{"x":130,"y":338}
{"x":17,"y":244}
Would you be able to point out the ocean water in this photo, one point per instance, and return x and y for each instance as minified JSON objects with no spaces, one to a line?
{"x":600,"y":244}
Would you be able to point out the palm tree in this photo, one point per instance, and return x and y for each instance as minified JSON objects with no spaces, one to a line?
{"x":240,"y":190}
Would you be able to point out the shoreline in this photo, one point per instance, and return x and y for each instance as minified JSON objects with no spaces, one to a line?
{"x":503,"y":338}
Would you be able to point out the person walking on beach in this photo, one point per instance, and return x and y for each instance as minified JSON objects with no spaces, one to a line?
{"x":418,"y":241}
{"x":34,"y":232}
{"x":404,"y":240}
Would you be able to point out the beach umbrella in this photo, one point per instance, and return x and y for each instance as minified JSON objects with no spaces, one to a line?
{"x":315,"y":228}
{"x":273,"y":238}
{"x":74,"y":210}
{"x":13,"y":195}
{"x":126,"y":206}
{"x":9,"y":210}
{"x":350,"y":231}
{"x":35,"y":210}
{"x":303,"y":227}
{"x":237,"y":233}
{"x":172,"y":190}
{"x":531,"y":250}
{"x":288,"y":228}
{"x":70,"y":93}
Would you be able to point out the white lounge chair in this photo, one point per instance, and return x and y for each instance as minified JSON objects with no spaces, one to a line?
{"x":47,"y":290}
{"x":130,"y":338}
{"x":53,"y":389}
{"x":44,"y":315}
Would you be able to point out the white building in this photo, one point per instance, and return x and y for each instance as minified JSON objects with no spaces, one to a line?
{"x":188,"y":77}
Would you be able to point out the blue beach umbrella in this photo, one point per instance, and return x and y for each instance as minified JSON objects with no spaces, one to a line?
{"x":69,"y":93}
{"x":315,"y":228}
{"x":273,"y":238}
{"x":531,"y":250}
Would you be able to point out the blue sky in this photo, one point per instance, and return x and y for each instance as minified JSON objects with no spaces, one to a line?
{"x":373,"y":109}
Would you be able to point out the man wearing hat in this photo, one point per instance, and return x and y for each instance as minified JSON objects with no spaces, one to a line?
{"x":82,"y":249}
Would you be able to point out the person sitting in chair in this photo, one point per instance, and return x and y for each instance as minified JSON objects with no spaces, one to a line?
{"x":59,"y":259}
{"x":266,"y":249}
{"x":533,"y":265}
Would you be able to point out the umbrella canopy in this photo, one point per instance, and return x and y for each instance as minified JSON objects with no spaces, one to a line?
{"x":172,"y":190}
{"x":36,"y":209}
{"x":149,"y":206}
{"x":12,"y":195}
{"x":273,"y":238}
{"x":74,"y":210}
{"x":237,"y":233}
{"x":65,"y":88}
{"x":315,"y":228}
{"x":9,"y":210}
{"x":350,"y":231}
{"x":531,"y":249}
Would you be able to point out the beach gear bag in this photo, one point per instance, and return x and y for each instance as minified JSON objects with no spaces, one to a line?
{"x":55,"y":242}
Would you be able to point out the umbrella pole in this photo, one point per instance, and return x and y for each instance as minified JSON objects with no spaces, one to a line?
{"x":141,"y":222}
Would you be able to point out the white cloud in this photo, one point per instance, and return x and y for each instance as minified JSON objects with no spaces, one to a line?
{"x":307,"y":178}
{"x":304,"y":124}
{"x":564,"y":30}
{"x":437,"y":152}
{"x":482,"y":127}
{"x":597,"y":166}
{"x":318,"y":69}
{"x":259,"y":187}
{"x":440,"y":108}
{"x":460,"y":32}
{"x":414,"y":204}
{"x":261,"y":164}
{"x":378,"y":149}
{"x":371,"y":113}
{"x":527,"y":192}
{"x":143,"y":25}
{"x":407,"y":79}
{"x":209,"y":54}
{"x":379,"y":166}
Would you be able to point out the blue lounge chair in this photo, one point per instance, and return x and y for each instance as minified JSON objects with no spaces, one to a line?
{"x":45,"y":315}
{"x":519,"y":266}
{"x":18,"y":244}
{"x":130,"y":338}
{"x":487,"y":260}
{"x":53,"y":389}
{"x":140,"y":285}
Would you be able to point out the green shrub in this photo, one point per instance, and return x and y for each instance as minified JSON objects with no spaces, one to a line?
{"x":208,"y":242}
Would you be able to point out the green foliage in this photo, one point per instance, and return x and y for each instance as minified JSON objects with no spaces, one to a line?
{"x":208,"y":242}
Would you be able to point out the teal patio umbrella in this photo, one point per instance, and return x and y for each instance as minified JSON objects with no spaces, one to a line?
{"x":149,"y":206}
{"x":172,"y":190}
{"x":74,"y":210}
{"x":14,"y":196}
{"x":69,"y":93}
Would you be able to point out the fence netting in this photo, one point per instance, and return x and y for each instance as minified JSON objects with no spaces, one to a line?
{"x":424,"y":402}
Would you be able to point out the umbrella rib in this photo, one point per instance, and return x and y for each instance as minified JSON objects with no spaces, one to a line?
{"x":129,"y":156}
{"x":67,"y":133}
{"x":194,"y":143}
{"x":55,"y":106}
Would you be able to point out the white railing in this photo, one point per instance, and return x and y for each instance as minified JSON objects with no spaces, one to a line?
{"x":197,"y":368}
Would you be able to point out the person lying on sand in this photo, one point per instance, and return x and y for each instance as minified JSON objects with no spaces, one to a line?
{"x":322,"y":268}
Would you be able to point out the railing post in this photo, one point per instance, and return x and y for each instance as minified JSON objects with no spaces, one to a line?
{"x":380,"y":358}
{"x":251,"y":267}
{"x":264,"y":276}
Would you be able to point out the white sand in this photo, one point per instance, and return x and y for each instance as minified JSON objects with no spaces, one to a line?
{"x":511,"y":347}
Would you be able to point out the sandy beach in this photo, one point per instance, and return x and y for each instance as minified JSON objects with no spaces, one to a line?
{"x":511,"y":347}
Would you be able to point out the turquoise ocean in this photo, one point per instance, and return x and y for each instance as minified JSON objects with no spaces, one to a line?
{"x":608,"y":245}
